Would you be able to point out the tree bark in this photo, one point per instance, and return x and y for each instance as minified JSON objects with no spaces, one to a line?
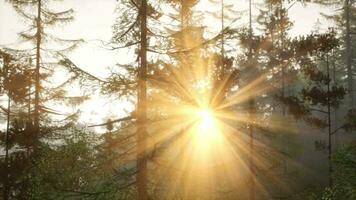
{"x":29,"y":93}
{"x":222,"y":41}
{"x":6,"y":183}
{"x":329,"y":123}
{"x":37,"y":72}
{"x":252,"y":189}
{"x":142,"y":110}
{"x":349,"y":53}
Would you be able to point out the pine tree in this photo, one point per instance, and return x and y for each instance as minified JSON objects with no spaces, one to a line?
{"x":28,"y":123}
{"x":275,"y":23}
{"x":142,"y":108}
{"x":275,"y":61}
{"x":45,"y":57}
{"x":320,"y":92}
{"x":344,"y":19}
{"x":13,"y":85}
{"x":131,"y":30}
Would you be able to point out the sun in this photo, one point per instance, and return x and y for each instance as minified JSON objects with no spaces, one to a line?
{"x":205,"y":120}
{"x":206,"y":127}
{"x":206,"y":117}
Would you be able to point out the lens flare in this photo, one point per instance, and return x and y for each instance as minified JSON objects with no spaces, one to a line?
{"x":206,"y":119}
{"x":206,"y":133}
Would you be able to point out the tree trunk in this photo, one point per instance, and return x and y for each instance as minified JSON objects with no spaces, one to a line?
{"x":252,"y":188}
{"x":348,"y":53}
{"x":6,"y":183}
{"x":222,"y":41}
{"x":282,"y":29}
{"x":142,"y":110}
{"x":37,"y":72}
{"x":329,"y":123}
{"x":29,"y":92}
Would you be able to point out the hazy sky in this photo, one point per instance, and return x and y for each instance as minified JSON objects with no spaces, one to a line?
{"x":94,"y":20}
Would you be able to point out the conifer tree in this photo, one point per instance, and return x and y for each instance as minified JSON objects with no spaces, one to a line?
{"x":131,"y":30}
{"x":28,"y":123}
{"x":275,"y":57}
{"x":344,"y":20}
{"x":41,"y":19}
{"x":14,"y":86}
{"x":142,"y":108}
{"x":320,"y":94}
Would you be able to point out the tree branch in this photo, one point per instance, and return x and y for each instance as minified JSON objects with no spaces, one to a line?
{"x":114,"y":121}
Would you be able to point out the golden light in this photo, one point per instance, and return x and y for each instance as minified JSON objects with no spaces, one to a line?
{"x":206,"y":118}
{"x":205,"y":131}
{"x":209,"y":148}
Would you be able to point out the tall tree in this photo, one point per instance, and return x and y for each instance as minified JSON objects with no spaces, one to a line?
{"x":348,"y":10}
{"x":43,"y":19}
{"x":344,"y":20}
{"x":37,"y":68}
{"x":131,"y":31}
{"x":28,"y":129}
{"x":6,"y":185}
{"x":273,"y":50}
{"x":252,"y":112}
{"x":13,"y":86}
{"x":142,"y":108}
{"x":320,"y":94}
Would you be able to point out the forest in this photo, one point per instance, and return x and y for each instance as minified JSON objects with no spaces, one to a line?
{"x":178,"y":99}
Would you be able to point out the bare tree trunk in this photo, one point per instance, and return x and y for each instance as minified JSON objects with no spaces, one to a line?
{"x":349,"y":53}
{"x":335,"y":81}
{"x":252,"y":153}
{"x":29,"y":92}
{"x":142,"y":110}
{"x":37,"y":71}
{"x":337,"y":137}
{"x":222,"y":40}
{"x":252,"y":192}
{"x":282,"y":29}
{"x":283,"y":89}
{"x":6,"y":184}
{"x":329,"y":123}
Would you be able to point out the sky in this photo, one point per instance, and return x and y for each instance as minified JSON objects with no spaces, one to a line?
{"x":93,"y":22}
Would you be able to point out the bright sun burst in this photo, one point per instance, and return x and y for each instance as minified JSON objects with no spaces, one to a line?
{"x":206,"y":117}
{"x":206,"y":130}
{"x":208,"y":145}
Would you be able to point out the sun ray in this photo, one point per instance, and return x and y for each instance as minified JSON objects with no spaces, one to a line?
{"x":202,"y":124}
{"x":253,"y":89}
